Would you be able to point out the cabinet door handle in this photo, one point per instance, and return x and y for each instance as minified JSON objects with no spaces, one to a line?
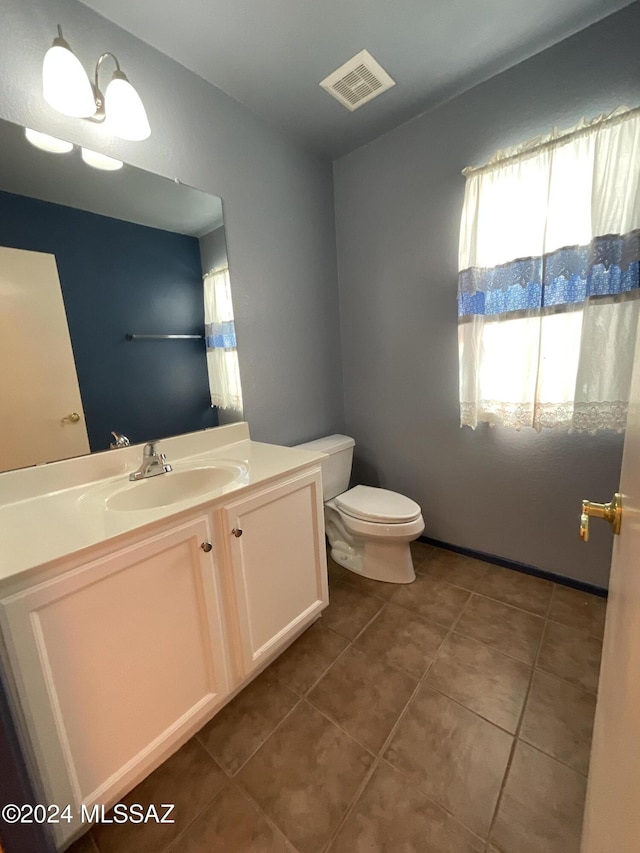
{"x":237,"y":531}
{"x":206,"y":546}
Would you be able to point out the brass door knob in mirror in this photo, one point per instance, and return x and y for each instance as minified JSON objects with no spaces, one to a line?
{"x":206,"y":546}
{"x":72,"y":418}
{"x":237,"y":531}
{"x":611,"y":512}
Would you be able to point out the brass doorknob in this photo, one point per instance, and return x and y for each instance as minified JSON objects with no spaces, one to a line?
{"x":72,"y":418}
{"x":611,"y":512}
{"x":206,"y":546}
{"x":237,"y":531}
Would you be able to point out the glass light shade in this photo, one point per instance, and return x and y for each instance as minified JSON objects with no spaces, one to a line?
{"x":100,"y":161}
{"x":126,"y":115}
{"x":48,"y":143}
{"x":65,"y":84}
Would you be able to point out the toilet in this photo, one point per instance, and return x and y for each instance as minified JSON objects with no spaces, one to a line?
{"x":369,"y":529}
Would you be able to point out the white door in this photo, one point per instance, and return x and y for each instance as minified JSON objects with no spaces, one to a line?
{"x":612,"y":814}
{"x":275,"y":539}
{"x":38,"y":382}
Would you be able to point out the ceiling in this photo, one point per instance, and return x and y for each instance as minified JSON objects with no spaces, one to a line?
{"x":270,"y":56}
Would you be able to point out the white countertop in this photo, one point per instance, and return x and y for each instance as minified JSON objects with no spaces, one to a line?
{"x":52,"y":511}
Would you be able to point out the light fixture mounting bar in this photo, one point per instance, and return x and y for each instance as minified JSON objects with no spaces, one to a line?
{"x":100,"y":113}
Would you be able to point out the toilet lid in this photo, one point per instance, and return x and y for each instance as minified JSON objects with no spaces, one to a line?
{"x":369,"y":504}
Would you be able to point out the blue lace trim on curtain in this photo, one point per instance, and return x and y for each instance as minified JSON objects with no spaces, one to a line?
{"x":607,"y":266}
{"x":221,"y":335}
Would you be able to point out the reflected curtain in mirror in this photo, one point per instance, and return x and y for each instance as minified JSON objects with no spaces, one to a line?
{"x":549,"y":280}
{"x":220,"y":336}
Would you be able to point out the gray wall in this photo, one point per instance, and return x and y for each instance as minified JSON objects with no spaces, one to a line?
{"x":213,"y":250}
{"x":398,"y":203}
{"x":278,"y":206}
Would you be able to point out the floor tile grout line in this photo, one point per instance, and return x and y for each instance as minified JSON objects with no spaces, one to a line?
{"x":389,"y":738}
{"x":172,"y":846}
{"x":352,"y":640}
{"x":573,"y":684}
{"x":263,"y":813}
{"x":232,"y":775}
{"x":516,"y":736}
{"x":593,"y":636}
{"x":413,"y":783}
{"x":168,"y":848}
{"x":553,"y":757}
{"x":367,"y":777}
{"x":301,"y":698}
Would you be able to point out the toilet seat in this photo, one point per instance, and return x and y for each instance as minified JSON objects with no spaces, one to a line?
{"x":377,"y":505}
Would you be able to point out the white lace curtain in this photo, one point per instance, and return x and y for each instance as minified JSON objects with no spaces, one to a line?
{"x":220,"y":337}
{"x":549,"y":275}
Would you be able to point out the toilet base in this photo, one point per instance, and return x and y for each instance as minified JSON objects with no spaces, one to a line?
{"x":377,"y":551}
{"x":387,"y":562}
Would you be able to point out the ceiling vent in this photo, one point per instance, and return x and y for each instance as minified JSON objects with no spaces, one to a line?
{"x":357,"y":81}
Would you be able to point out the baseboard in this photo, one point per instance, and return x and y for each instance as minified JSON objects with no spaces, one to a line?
{"x":518,"y":567}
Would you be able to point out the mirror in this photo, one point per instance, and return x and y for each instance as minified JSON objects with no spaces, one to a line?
{"x":102,"y":321}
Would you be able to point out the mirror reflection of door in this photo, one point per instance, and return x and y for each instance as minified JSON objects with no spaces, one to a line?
{"x":38,"y":381}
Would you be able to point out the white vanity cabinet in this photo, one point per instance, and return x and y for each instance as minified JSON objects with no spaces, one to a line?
{"x":118,"y":657}
{"x":116,"y":660}
{"x":276,"y":555}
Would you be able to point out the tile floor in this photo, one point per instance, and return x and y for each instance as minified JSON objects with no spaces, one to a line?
{"x":453,"y":715}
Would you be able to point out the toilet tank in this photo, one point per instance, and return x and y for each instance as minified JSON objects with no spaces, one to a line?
{"x":336,"y":468}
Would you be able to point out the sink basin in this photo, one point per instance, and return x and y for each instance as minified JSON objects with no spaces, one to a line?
{"x":174,"y":487}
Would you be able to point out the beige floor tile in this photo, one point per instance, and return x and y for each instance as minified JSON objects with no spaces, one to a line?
{"x":85,"y":844}
{"x":190,"y":779}
{"x":232,"y":824}
{"x":419,"y":550}
{"x":335,"y":571}
{"x":455,"y":757}
{"x":454,"y":568}
{"x":305,"y":776}
{"x":402,"y":639}
{"x":376,"y":588}
{"x":302,"y":664}
{"x":516,"y":588}
{"x":558,"y":720}
{"x":578,"y":610}
{"x":506,"y":628}
{"x":482,"y":679}
{"x":435,"y":600}
{"x":365,"y":695}
{"x":571,"y":655}
{"x":239,"y":729}
{"x":541,"y":807}
{"x":391,"y":815}
{"x":349,"y":610}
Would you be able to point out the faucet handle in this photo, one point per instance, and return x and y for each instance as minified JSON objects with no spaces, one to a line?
{"x":151,"y":448}
{"x":120,"y":440}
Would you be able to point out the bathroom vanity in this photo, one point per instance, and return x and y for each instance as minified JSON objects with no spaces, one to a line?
{"x":132,"y":612}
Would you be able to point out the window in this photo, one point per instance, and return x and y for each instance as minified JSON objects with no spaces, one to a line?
{"x":220,"y":338}
{"x":549,"y":280}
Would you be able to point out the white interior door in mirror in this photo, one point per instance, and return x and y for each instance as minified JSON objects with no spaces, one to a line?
{"x":38,"y":380}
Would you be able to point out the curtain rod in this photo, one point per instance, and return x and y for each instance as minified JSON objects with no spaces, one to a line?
{"x":616,"y":117}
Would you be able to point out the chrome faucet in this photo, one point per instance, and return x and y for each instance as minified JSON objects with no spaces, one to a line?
{"x":119,"y":440}
{"x":153,"y":463}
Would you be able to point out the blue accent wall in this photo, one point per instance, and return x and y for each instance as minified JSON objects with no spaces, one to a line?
{"x":119,"y":278}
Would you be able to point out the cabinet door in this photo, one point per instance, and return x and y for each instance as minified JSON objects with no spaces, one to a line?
{"x":117,"y":661}
{"x":278,"y":562}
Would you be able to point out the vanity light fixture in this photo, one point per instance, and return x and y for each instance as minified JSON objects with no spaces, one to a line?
{"x":48,"y":143}
{"x":67,"y":88}
{"x":100,"y":161}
